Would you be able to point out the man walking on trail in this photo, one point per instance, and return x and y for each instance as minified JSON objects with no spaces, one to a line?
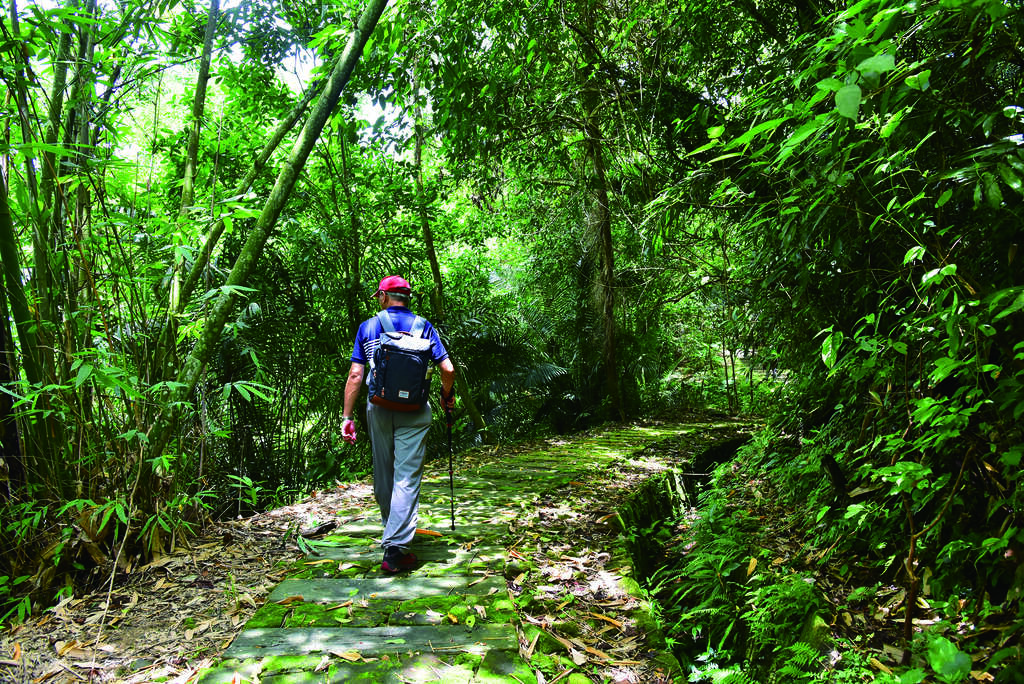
{"x":398,"y":434}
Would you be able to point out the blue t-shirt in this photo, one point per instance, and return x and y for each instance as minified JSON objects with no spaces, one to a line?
{"x":368,"y":336}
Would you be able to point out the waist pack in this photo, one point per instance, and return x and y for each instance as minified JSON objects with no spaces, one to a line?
{"x":398,"y":369}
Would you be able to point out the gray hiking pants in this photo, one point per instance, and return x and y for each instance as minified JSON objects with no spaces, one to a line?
{"x":399,"y":448}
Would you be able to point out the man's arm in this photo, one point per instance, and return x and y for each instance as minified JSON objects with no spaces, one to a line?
{"x":447,"y":381}
{"x":353,"y":385}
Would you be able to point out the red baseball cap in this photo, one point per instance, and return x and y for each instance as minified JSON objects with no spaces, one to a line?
{"x":394,"y":284}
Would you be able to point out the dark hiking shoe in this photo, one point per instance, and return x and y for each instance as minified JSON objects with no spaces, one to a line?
{"x":395,"y":561}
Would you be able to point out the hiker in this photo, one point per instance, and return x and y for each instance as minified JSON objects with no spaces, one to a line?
{"x":398,"y":433}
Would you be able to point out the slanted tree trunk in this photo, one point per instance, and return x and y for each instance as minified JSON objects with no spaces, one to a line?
{"x":163,"y":425}
{"x":164,"y":350}
{"x":203,"y":258}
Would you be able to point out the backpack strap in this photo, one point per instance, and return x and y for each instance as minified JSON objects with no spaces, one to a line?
{"x":385,"y":321}
{"x":419,"y":324}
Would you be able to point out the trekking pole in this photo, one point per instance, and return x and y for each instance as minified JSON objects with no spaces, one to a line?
{"x":451,"y":457}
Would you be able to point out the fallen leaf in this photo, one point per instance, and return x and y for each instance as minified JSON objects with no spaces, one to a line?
{"x":533,"y":645}
{"x":875,"y":663}
{"x":565,"y":642}
{"x":751,"y":567}
{"x":428,"y":533}
{"x":49,"y":673}
{"x":606,"y":619}
{"x":351,"y":656}
{"x":290,"y":600}
{"x":894,"y":654}
{"x":593,"y":651}
{"x":73,"y":649}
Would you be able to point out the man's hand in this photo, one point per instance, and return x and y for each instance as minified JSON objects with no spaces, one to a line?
{"x":348,"y":431}
{"x":448,"y":400}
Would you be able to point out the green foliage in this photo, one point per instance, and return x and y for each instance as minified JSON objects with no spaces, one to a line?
{"x":15,"y":605}
{"x":949,"y":662}
{"x":814,"y":212}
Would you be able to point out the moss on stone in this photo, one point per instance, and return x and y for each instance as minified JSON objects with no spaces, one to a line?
{"x":286,"y":663}
{"x":667,"y":662}
{"x":545,"y":642}
{"x":550,"y":664}
{"x":269,"y":615}
{"x":472,"y":660}
{"x":649,"y":626}
{"x":566,"y":628}
{"x":313,"y":615}
{"x":503,"y":666}
{"x":630,"y":586}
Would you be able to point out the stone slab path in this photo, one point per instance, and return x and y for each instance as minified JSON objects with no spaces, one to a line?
{"x":339,"y":618}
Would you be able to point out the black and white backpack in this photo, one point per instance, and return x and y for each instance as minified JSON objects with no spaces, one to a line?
{"x":398,"y":369}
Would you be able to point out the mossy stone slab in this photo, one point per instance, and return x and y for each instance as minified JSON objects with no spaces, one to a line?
{"x":435,"y":553}
{"x":417,"y":668}
{"x":393,"y":588}
{"x":504,"y":666}
{"x":372,"y":528}
{"x":367,"y":641}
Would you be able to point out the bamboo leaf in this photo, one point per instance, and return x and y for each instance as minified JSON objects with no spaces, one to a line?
{"x":848,"y":101}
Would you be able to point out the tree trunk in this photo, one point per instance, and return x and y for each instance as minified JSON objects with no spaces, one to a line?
{"x":50,"y":161}
{"x":164,"y":423}
{"x":353,"y":268}
{"x":600,"y":223}
{"x":10,"y":444}
{"x":41,"y":275}
{"x":437,"y":296}
{"x":14,"y":290}
{"x":600,"y":220}
{"x":198,"y":106}
{"x":437,"y":293}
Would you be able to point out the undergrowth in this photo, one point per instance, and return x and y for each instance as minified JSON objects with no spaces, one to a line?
{"x":772,"y":580}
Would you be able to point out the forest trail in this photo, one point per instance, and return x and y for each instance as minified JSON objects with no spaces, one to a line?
{"x":337,"y":617}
